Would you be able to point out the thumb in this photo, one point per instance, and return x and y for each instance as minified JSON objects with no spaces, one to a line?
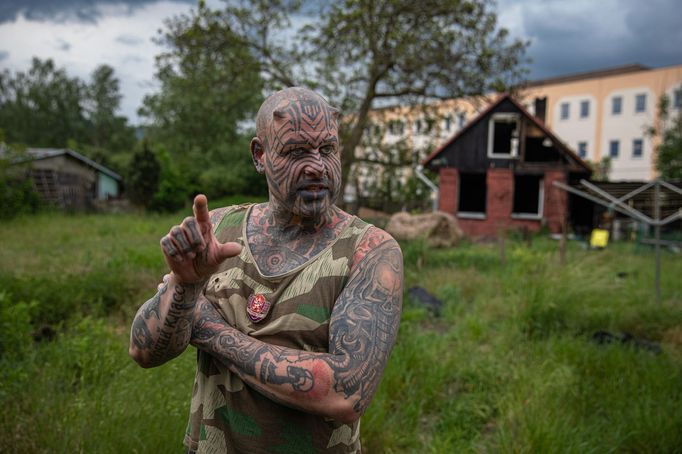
{"x":227,"y":250}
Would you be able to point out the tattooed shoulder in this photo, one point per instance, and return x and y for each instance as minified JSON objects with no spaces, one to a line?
{"x":369,"y":242}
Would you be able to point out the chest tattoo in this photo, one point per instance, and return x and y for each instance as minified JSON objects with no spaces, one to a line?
{"x":279,"y":250}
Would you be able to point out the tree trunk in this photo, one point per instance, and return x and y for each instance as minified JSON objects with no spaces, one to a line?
{"x":353,"y":141}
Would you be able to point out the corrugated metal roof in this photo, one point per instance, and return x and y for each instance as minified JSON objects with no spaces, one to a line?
{"x":46,"y":153}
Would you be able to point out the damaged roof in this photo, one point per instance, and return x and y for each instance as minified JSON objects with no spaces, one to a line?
{"x":506,"y":96}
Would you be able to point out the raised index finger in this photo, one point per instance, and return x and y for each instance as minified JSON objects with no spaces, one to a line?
{"x":200,"y":209}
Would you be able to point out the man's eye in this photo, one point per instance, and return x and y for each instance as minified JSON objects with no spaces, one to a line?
{"x":297,"y":152}
{"x":327,"y":149}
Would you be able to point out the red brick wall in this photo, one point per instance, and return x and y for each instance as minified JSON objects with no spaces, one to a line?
{"x":500,"y":201}
{"x":500,"y":184}
{"x":556,"y":201}
{"x":447,"y":195}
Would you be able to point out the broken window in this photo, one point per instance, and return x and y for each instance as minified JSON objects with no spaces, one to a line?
{"x":528,"y":193}
{"x":503,"y":135}
{"x":472,"y":195}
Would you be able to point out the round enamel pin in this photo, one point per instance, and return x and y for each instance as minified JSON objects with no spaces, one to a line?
{"x":257,"y":307}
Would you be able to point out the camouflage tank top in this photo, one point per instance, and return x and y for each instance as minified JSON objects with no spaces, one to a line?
{"x":225,"y":414}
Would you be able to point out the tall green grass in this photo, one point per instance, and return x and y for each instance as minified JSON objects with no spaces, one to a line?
{"x":509,"y":366}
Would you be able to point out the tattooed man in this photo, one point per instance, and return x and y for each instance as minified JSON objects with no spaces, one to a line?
{"x":293,"y":305}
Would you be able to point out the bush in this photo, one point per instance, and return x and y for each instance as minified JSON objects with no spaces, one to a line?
{"x":174,"y":189}
{"x":143,"y":176}
{"x":17,"y":195}
{"x":15,"y":328}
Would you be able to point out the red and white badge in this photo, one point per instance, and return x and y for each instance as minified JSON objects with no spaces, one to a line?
{"x":257,"y":307}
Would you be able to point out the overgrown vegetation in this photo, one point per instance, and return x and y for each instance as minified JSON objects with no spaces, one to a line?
{"x":509,"y":366}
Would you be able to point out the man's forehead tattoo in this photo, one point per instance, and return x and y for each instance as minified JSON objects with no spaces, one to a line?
{"x":294,"y":115}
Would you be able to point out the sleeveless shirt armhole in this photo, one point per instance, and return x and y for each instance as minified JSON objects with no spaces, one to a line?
{"x":226,"y":212}
{"x":360,"y":236}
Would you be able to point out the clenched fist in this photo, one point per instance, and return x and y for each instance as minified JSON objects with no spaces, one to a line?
{"x":191,"y":249}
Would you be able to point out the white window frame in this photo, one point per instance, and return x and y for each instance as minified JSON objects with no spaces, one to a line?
{"x":620,"y":105}
{"x":541,"y":205}
{"x":641,"y":148}
{"x":611,"y":142}
{"x":514,"y":146}
{"x":639,"y":96}
{"x":470,"y":214}
{"x":585,"y":103}
{"x":582,"y":142}
{"x":568,"y":111}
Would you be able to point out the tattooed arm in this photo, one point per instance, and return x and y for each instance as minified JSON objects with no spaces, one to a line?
{"x":363,"y":327}
{"x":163,"y":325}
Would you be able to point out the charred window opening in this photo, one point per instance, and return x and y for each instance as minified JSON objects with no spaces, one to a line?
{"x":528,"y":193}
{"x":541,"y":108}
{"x":538,"y":147}
{"x":503,"y":136}
{"x":472,"y":195}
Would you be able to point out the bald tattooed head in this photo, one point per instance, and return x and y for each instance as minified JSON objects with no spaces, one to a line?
{"x":297,"y":147}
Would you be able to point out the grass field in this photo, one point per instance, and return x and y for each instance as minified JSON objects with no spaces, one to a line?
{"x":509,"y":366}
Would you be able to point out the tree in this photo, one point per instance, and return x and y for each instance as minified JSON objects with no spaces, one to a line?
{"x":669,"y":151}
{"x":210,"y":84}
{"x":143,"y":176}
{"x":42,"y":107}
{"x":108,"y":130}
{"x":361,"y":52}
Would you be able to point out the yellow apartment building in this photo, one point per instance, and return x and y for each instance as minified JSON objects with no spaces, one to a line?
{"x":607,"y":113}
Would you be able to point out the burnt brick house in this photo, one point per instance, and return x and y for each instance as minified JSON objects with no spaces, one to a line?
{"x":498,"y":172}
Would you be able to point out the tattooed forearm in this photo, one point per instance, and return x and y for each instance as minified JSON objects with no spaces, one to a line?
{"x":363,"y":329}
{"x":364,"y":325}
{"x":163,"y":325}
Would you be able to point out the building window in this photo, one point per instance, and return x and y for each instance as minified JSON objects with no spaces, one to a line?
{"x":447,"y":123}
{"x":503,"y":135}
{"x":582,"y":149}
{"x":640,"y":103}
{"x":417,"y":126}
{"x":528,"y":194}
{"x":616,"y":105}
{"x":637,"y":148}
{"x":677,"y":98}
{"x":584,"y":109}
{"x":396,"y":127}
{"x":472,"y":195}
{"x":461,"y":119}
{"x":565,"y":110}
{"x":613,"y":148}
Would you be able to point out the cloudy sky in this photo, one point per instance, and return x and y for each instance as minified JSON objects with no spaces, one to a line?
{"x":565,"y":36}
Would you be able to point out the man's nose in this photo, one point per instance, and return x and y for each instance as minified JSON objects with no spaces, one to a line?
{"x":314,"y":166}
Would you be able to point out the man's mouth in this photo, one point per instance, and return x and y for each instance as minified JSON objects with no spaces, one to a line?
{"x":314,"y":187}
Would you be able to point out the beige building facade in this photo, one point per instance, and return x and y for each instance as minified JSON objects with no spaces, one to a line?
{"x":607,"y":114}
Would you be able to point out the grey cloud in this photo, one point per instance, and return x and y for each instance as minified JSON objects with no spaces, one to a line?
{"x":132,"y":59}
{"x":129,"y":40}
{"x":3,"y":55}
{"x":63,"y":10}
{"x":573,"y":39}
{"x":63,"y":45}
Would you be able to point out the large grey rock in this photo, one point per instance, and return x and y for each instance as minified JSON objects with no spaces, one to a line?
{"x":439,"y":229}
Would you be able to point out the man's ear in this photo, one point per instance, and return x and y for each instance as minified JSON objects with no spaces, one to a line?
{"x":258,"y":154}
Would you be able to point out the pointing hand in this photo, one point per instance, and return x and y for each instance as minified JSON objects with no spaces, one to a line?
{"x":191,"y":249}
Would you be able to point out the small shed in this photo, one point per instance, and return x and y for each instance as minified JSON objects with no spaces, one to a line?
{"x":70,"y":180}
{"x":498,"y":172}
